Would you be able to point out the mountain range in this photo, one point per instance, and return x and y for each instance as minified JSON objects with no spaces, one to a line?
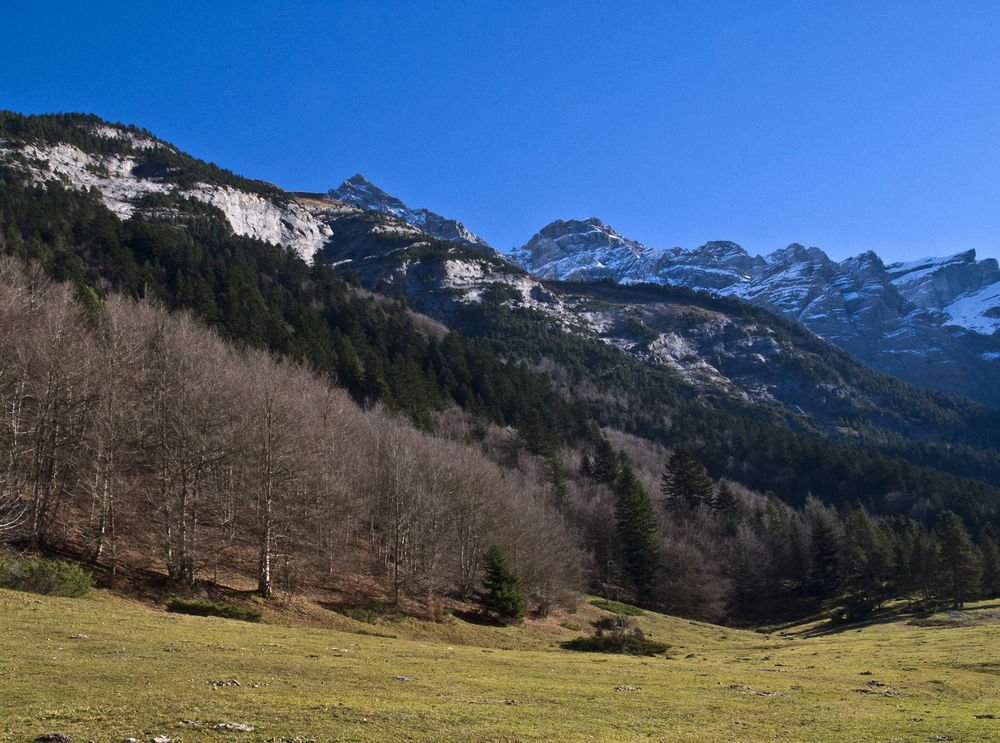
{"x":897,"y":318}
{"x":932,"y":322}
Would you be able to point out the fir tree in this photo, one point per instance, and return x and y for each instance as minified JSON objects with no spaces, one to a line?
{"x":991,"y":563}
{"x":637,"y":529}
{"x":501,"y":584}
{"x":868,"y":564}
{"x":824,"y":576}
{"x":685,"y":484}
{"x":958,"y":562}
{"x":605,"y":464}
{"x":728,"y":504}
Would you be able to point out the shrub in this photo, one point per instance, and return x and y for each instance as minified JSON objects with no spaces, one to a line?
{"x":608,"y":644}
{"x":616,"y":607}
{"x":368,"y":616}
{"x":206,"y":608}
{"x":617,"y":634}
{"x":47,"y":577}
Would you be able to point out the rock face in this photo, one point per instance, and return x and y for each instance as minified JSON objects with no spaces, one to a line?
{"x":122,"y":182}
{"x":360,"y":193}
{"x":932,"y":322}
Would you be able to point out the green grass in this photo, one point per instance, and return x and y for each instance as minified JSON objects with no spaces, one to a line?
{"x":104,"y":668}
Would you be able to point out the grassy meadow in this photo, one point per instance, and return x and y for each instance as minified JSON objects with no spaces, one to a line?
{"x":103,"y":668}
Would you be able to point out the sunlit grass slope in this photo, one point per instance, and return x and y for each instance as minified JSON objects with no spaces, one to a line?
{"x":104,"y":669}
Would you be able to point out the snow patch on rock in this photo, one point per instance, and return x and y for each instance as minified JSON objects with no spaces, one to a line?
{"x":248,"y":214}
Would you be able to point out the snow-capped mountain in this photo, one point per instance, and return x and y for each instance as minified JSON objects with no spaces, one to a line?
{"x":932,"y":322}
{"x":361,"y":193}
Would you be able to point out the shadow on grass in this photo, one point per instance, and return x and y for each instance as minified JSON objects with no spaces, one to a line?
{"x":475,"y":617}
{"x":919,"y":612}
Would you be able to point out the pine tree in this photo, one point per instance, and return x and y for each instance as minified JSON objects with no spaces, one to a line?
{"x":605,"y":464}
{"x":868,"y":559}
{"x":685,"y":484}
{"x":991,"y":563}
{"x":501,"y":584}
{"x":637,"y":533}
{"x":921,"y":564}
{"x":958,"y":564}
{"x":824,"y":577}
{"x":727,"y":503}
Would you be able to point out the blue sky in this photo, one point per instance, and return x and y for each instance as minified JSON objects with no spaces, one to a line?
{"x":846,"y":125}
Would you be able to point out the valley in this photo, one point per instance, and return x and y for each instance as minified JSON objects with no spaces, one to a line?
{"x":393,"y":404}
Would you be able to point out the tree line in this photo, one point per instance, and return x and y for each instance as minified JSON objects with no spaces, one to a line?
{"x":718,"y":551}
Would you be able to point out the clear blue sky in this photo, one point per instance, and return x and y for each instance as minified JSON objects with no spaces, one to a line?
{"x":845,"y":125}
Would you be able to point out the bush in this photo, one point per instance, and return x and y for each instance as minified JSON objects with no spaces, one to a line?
{"x":617,"y":634}
{"x":47,"y":577}
{"x":368,"y":616}
{"x":608,"y":644}
{"x":206,"y":608}
{"x":616,"y":607}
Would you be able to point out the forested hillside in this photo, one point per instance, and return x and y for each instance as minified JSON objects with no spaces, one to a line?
{"x":269,"y":416}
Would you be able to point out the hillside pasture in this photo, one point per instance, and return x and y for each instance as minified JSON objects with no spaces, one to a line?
{"x":104,"y":668}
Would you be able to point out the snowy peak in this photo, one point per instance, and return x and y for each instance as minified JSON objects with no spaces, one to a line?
{"x":796,"y":253}
{"x":360,"y":192}
{"x":966,"y":291}
{"x":909,"y":319}
{"x":582,"y":250}
{"x":363,"y":194}
{"x":589,"y":231}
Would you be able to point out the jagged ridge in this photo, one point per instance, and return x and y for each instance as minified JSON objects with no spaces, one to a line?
{"x":932,"y":322}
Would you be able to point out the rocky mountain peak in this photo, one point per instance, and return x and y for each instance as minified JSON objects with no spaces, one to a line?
{"x":358,"y":191}
{"x":575,"y":235}
{"x":909,"y":319}
{"x":796,"y":253}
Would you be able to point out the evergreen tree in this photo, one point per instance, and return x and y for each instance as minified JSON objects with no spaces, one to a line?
{"x":868,"y":564}
{"x":991,"y":563}
{"x":637,"y":533}
{"x":685,"y":484}
{"x":824,"y":577}
{"x":922,"y":558}
{"x":958,"y":563}
{"x":501,"y":584}
{"x":605,"y":464}
{"x":727,"y":503}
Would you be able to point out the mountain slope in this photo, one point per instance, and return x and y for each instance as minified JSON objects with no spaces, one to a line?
{"x":933,"y":322}
{"x":734,"y":382}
